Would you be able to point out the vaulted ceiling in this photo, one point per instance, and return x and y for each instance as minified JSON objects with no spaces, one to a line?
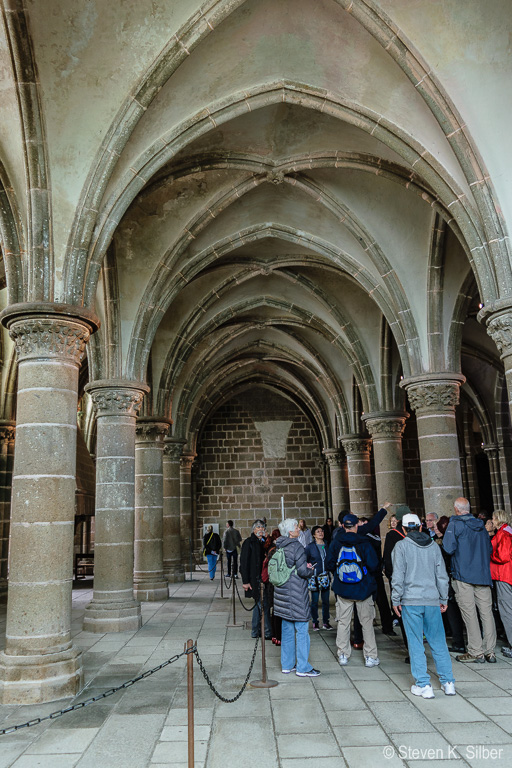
{"x":307,"y":196}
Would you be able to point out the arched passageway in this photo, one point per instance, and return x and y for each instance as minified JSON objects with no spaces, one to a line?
{"x":290,"y":218}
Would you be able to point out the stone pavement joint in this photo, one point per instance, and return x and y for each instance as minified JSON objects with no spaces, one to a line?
{"x":349,"y":717}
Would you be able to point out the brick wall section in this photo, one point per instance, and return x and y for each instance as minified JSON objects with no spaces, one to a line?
{"x":236,"y":481}
{"x":412,"y":467}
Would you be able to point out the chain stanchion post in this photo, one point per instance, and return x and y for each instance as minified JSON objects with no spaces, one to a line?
{"x":233,"y":606}
{"x":221,"y":574}
{"x":263,"y":683}
{"x":190,"y":701}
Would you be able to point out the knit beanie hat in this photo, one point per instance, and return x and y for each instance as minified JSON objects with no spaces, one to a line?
{"x":402,"y":510}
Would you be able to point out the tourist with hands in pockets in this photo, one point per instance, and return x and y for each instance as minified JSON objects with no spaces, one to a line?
{"x":319,"y":583}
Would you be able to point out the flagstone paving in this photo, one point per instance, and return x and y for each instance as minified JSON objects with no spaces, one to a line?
{"x":354,"y":717}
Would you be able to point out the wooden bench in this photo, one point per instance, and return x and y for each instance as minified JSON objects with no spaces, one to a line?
{"x":84,"y":564}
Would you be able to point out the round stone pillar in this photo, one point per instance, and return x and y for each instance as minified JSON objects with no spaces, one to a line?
{"x":148,"y":578}
{"x":492,"y":452}
{"x":339,"y":491}
{"x":499,"y":328}
{"x":186,"y":533}
{"x":433,"y":397}
{"x":7,"y":434}
{"x":359,"y":474}
{"x":113,"y":607}
{"x":173,"y":568}
{"x":386,"y":430}
{"x":40,"y":662}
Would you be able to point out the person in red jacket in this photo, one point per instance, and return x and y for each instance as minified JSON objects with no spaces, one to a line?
{"x":501,"y":571}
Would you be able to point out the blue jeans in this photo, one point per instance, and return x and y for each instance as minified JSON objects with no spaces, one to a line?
{"x":295,"y":645}
{"x":212,"y":565}
{"x":325,"y":605}
{"x":427,"y":620}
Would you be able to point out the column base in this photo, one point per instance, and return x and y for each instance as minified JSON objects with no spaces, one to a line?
{"x":174,"y":574}
{"x":112,"y":617}
{"x":40,"y":678}
{"x":151,"y":591}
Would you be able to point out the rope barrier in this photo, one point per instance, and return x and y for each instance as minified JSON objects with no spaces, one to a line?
{"x":82,"y":704}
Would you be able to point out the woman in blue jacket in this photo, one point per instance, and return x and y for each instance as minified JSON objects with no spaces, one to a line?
{"x":316,"y":554}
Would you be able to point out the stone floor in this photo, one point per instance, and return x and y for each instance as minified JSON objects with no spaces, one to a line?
{"x":354,"y":717}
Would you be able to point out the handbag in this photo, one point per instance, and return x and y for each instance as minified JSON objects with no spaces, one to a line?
{"x":312,"y":584}
{"x":324,"y":582}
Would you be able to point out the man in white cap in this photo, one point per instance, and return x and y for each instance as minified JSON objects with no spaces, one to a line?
{"x":420,"y":596}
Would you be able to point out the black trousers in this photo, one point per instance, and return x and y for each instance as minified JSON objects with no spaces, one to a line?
{"x":232,"y":556}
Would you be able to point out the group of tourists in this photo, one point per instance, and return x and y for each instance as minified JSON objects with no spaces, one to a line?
{"x":442,"y":573}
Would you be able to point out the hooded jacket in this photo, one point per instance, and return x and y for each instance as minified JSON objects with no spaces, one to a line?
{"x":291,"y":600}
{"x":501,"y":560}
{"x":419,"y":572}
{"x":361,"y":589}
{"x":470,"y":546}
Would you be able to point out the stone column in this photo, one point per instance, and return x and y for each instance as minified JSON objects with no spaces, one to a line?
{"x":173,"y":569}
{"x":387,"y":430}
{"x":113,"y":607}
{"x":434,"y":397}
{"x":339,"y":491}
{"x":148,"y":578}
{"x":186,"y":533}
{"x":7,"y":433}
{"x":357,"y":449}
{"x":40,"y":662}
{"x":494,"y":470}
{"x":499,"y":328}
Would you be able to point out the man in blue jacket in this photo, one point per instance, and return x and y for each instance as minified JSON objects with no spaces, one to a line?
{"x":469,"y":544}
{"x":353,"y":560}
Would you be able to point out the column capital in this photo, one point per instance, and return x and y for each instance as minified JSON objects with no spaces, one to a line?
{"x":355,"y":444}
{"x":7,"y":430}
{"x":173,"y":447}
{"x":187,"y":459}
{"x":116,"y":397}
{"x":499,"y":328}
{"x":436,"y":392}
{"x":333,"y":457}
{"x":385,"y":424}
{"x":46,"y":330}
{"x":491,"y":449}
{"x":152,"y":430}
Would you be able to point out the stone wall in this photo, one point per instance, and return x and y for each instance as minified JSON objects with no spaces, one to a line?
{"x":255,"y":449}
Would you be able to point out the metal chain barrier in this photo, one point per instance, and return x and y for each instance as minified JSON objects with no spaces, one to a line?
{"x":199,"y":568}
{"x":82,"y":704}
{"x":211,"y":685}
{"x":241,"y":603}
{"x":228,"y":584}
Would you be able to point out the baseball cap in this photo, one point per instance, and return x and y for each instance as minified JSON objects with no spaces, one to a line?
{"x":408,"y":521}
{"x":402,"y":510}
{"x":350,"y":520}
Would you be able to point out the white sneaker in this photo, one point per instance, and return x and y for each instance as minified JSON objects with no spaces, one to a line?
{"x":369,"y":661}
{"x":448,"y":688}
{"x":425,"y":691}
{"x":342,"y":659}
